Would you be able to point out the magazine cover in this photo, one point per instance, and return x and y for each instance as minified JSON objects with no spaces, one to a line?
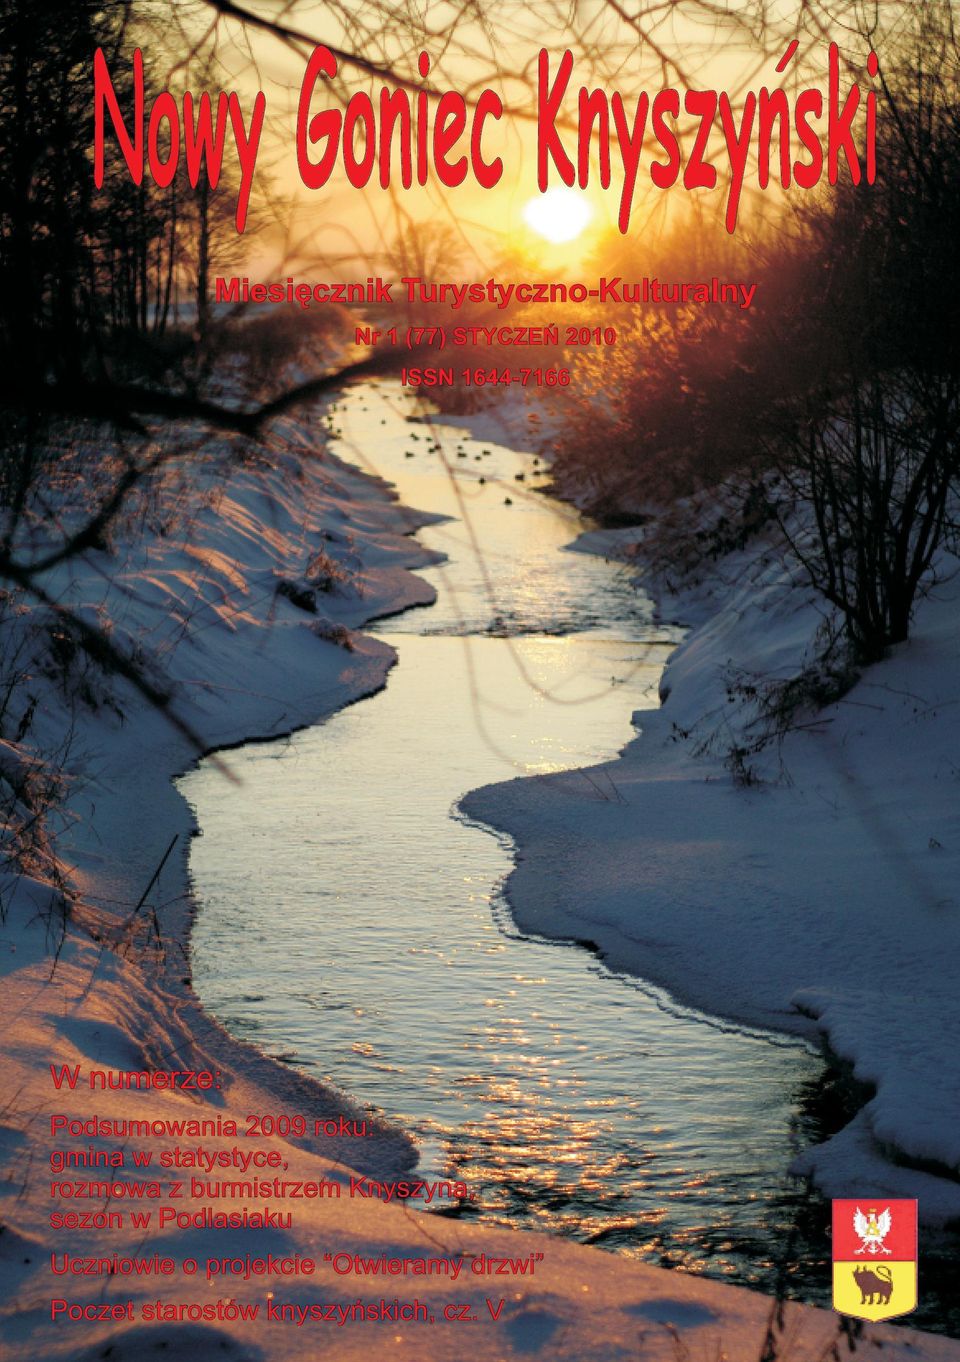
{"x":479,"y":680}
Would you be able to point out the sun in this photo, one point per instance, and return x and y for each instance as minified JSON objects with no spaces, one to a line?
{"x":559,"y":215}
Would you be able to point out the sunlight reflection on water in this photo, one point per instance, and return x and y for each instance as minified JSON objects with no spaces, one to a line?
{"x":375,"y":948}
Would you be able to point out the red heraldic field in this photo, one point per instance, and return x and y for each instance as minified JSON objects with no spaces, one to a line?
{"x":874,"y":1257}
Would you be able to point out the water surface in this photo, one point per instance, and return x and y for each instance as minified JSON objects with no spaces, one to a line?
{"x":376,"y":953}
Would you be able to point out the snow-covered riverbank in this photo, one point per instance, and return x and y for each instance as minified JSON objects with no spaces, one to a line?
{"x":811,"y":884}
{"x":112,"y":994}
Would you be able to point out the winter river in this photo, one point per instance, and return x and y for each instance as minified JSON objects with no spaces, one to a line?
{"x":380,"y":957}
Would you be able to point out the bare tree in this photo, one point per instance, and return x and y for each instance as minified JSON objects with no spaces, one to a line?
{"x":872,"y":454}
{"x":90,"y":274}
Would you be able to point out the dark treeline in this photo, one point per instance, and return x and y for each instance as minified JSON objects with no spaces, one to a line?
{"x":83,"y":272}
{"x":831,"y":407}
{"x":832,"y":404}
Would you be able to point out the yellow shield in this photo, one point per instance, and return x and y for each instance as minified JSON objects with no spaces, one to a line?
{"x":874,"y":1290}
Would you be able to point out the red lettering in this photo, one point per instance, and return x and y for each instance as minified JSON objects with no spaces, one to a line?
{"x":451,"y":121}
{"x":807,"y":174}
{"x":315,"y":174}
{"x":840,"y":124}
{"x":393,"y":108}
{"x":703,"y":104}
{"x":104,"y":93}
{"x":548,"y":105}
{"x":247,"y":147}
{"x":200,"y":142}
{"x":163,"y":170}
{"x":738,"y":146}
{"x":664,"y":174}
{"x":631,"y":145}
{"x":359,"y":110}
{"x":489,"y":105}
{"x":61,"y":1074}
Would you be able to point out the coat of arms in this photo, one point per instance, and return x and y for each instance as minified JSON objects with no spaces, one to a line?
{"x":861,"y":1231}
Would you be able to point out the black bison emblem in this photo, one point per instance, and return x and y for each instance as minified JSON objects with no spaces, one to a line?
{"x":876,"y":1285}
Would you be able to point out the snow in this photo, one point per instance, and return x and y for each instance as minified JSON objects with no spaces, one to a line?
{"x":197,"y":592}
{"x":815,"y":891}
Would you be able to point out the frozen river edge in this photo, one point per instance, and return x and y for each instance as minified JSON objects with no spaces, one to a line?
{"x":260,"y":671}
{"x":807,"y":887}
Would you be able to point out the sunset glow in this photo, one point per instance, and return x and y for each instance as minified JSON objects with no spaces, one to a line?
{"x":559,"y":215}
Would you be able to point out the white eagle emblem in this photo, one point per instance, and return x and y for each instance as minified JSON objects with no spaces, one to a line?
{"x":872,"y":1229}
